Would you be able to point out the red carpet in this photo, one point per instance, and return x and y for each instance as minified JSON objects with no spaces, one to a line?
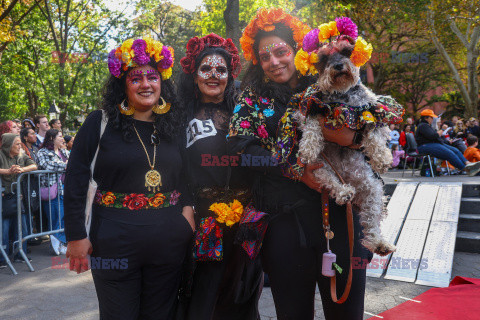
{"x":461,"y":300}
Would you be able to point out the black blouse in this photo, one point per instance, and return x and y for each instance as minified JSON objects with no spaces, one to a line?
{"x":120,"y":168}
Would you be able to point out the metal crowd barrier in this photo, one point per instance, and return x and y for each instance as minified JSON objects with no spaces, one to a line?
{"x":27,"y":179}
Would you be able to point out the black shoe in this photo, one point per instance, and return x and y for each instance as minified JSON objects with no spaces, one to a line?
{"x":18,"y":258}
{"x":3,"y":265}
{"x":34,"y":242}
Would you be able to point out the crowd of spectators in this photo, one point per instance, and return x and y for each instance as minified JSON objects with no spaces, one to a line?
{"x":453,"y":140}
{"x":33,"y":144}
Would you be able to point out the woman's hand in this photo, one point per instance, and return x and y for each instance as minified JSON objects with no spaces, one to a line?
{"x":343,"y":137}
{"x":77,"y":252}
{"x":188,"y":213}
{"x":309,"y":178}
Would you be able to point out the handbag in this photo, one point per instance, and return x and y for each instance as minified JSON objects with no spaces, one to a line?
{"x":92,"y":185}
{"x":10,"y":206}
{"x":49,"y":193}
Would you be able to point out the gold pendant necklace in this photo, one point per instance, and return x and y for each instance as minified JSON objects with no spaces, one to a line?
{"x":153,"y":179}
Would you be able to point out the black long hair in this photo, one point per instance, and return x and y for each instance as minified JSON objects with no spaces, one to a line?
{"x":254,"y":76}
{"x":188,"y":91}
{"x":168,"y":125}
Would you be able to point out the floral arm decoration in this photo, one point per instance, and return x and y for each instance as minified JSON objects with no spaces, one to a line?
{"x":247,"y":123}
{"x":287,"y":142}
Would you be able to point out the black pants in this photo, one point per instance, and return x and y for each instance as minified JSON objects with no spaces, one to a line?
{"x":227,"y":289}
{"x":294,"y":270}
{"x":136,"y":268}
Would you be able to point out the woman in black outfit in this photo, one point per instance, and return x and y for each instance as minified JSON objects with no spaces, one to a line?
{"x":294,"y":242}
{"x":142,"y":218}
{"x":226,"y":282}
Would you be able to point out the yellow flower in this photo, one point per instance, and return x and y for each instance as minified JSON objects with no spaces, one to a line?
{"x":236,"y":207}
{"x":228,"y":214}
{"x":361,"y":53}
{"x":368,"y":116}
{"x":166,"y":74}
{"x":327,"y":30}
{"x":304,"y":62}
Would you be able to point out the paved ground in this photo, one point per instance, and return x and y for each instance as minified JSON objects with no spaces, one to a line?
{"x":50,"y":293}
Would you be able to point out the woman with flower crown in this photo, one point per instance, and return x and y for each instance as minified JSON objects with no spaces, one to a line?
{"x":142,"y":216}
{"x":294,"y":241}
{"x":226,"y":279}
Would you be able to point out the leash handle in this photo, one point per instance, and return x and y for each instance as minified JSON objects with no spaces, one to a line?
{"x":326,"y":225}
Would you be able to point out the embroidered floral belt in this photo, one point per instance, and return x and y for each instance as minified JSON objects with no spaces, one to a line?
{"x":136,"y":201}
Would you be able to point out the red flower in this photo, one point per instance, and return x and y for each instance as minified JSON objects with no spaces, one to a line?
{"x":230,"y":46}
{"x":135,"y":201}
{"x":213,"y":40}
{"x":188,"y":64}
{"x":195,"y":46}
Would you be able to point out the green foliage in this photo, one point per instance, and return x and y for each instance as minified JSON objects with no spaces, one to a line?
{"x":60,"y":57}
{"x":211,"y":18}
{"x":170,"y":24}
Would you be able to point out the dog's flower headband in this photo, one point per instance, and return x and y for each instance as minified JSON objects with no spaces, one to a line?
{"x":265,"y":20}
{"x":139,"y":52}
{"x":196,"y":45}
{"x":329,"y":32}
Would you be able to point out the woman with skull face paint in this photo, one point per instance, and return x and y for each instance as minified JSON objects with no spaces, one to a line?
{"x":294,"y":243}
{"x":226,"y":282}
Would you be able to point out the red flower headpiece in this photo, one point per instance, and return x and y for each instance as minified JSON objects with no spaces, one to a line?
{"x":196,"y":45}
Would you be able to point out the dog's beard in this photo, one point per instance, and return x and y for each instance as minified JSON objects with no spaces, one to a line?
{"x":331,"y":80}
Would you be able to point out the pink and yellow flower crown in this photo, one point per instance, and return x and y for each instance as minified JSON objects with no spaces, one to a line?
{"x":139,"y":52}
{"x":306,"y":58}
{"x":265,"y":20}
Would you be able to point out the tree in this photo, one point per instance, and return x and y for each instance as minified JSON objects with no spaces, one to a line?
{"x":463,"y":20}
{"x":167,"y":23}
{"x":12,"y":13}
{"x":75,"y":25}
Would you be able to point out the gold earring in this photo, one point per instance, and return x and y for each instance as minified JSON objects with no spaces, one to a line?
{"x":126,"y":109}
{"x":163,"y":108}
{"x":266,"y":79}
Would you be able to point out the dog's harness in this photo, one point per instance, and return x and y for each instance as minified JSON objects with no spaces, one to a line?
{"x":328,"y":257}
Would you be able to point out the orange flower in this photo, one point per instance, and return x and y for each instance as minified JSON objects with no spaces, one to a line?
{"x":157,"y":200}
{"x":265,"y":20}
{"x":108,"y":198}
{"x":361,"y":53}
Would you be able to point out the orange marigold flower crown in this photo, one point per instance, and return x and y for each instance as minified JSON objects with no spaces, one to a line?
{"x":265,"y":20}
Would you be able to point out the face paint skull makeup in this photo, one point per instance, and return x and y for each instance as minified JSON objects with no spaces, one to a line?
{"x":213,"y":67}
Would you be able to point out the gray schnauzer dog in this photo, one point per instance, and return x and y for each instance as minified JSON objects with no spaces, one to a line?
{"x":339,"y":82}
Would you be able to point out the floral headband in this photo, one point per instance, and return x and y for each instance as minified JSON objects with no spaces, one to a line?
{"x":139,"y":52}
{"x":329,"y":32}
{"x":196,"y":45}
{"x":265,"y":20}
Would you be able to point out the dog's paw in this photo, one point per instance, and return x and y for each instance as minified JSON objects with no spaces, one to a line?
{"x":345,"y":194}
{"x":384,"y":248}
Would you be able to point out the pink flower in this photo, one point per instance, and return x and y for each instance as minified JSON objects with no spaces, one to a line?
{"x":141,"y":57}
{"x":346,"y":26}
{"x":262,"y":133}
{"x":245,"y":124}
{"x":248,"y":101}
{"x":310,"y":42}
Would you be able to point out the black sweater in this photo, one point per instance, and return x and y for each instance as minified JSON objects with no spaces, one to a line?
{"x":121,"y":168}
{"x":426,"y":134}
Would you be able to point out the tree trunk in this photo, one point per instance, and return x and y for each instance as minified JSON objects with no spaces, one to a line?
{"x":470,"y":93}
{"x":231,"y":15}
